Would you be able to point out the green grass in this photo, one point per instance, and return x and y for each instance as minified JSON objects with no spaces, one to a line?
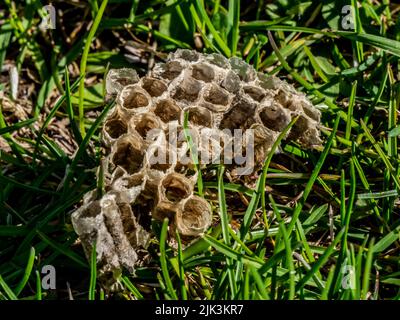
{"x":306,"y":218}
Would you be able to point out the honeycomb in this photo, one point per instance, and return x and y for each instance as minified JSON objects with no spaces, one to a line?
{"x":150,"y":167}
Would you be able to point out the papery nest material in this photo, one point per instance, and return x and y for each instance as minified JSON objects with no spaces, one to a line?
{"x":219,"y":96}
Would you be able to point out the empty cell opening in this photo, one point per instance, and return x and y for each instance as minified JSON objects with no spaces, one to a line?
{"x":128,"y":156}
{"x":244,"y":71}
{"x":294,"y":105}
{"x":175,"y":136}
{"x":269,"y":82}
{"x":274,"y":118}
{"x":135,"y":99}
{"x":172,"y":70}
{"x":255,"y":93}
{"x":284,"y":99}
{"x":167,"y":110}
{"x":203,"y":72}
{"x":193,"y":213}
{"x":238,"y":116}
{"x":188,"y":89}
{"x":218,"y":60}
{"x":176,"y":187}
{"x":231,"y":82}
{"x":164,"y":166}
{"x":154,"y":87}
{"x":200,"y":116}
{"x":217,"y":95}
{"x":115,"y":128}
{"x":195,"y":218}
{"x":145,"y":124}
{"x":188,"y":55}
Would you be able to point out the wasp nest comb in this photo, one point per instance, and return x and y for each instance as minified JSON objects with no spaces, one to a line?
{"x":194,"y":106}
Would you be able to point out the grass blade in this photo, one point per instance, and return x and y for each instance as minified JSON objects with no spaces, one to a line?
{"x":27,"y":272}
{"x":11,"y":295}
{"x":85,"y":54}
{"x":163,"y":260}
{"x":93,"y":273}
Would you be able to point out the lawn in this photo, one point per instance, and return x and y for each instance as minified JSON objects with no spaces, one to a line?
{"x":311,"y":224}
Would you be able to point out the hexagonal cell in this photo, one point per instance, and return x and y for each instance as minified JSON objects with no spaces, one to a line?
{"x":133,"y":97}
{"x":218,"y":60}
{"x":188,"y":89}
{"x":167,"y":110}
{"x":203,"y":71}
{"x":216,"y":95}
{"x":255,"y":93}
{"x":231,"y":82}
{"x":154,"y":87}
{"x":195,"y":217}
{"x":172,"y":69}
{"x":285,"y":100}
{"x":274,"y":83}
{"x":269,"y":82}
{"x":237,"y":117}
{"x":289,"y":100}
{"x":186,"y":54}
{"x":244,"y":70}
{"x":116,"y":125}
{"x":175,"y":135}
{"x":117,"y":79}
{"x":211,"y":146}
{"x":128,"y":153}
{"x":274,"y":117}
{"x":145,"y":122}
{"x":200,"y":116}
{"x":176,"y":187}
{"x":160,"y":158}
{"x":293,"y":105}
